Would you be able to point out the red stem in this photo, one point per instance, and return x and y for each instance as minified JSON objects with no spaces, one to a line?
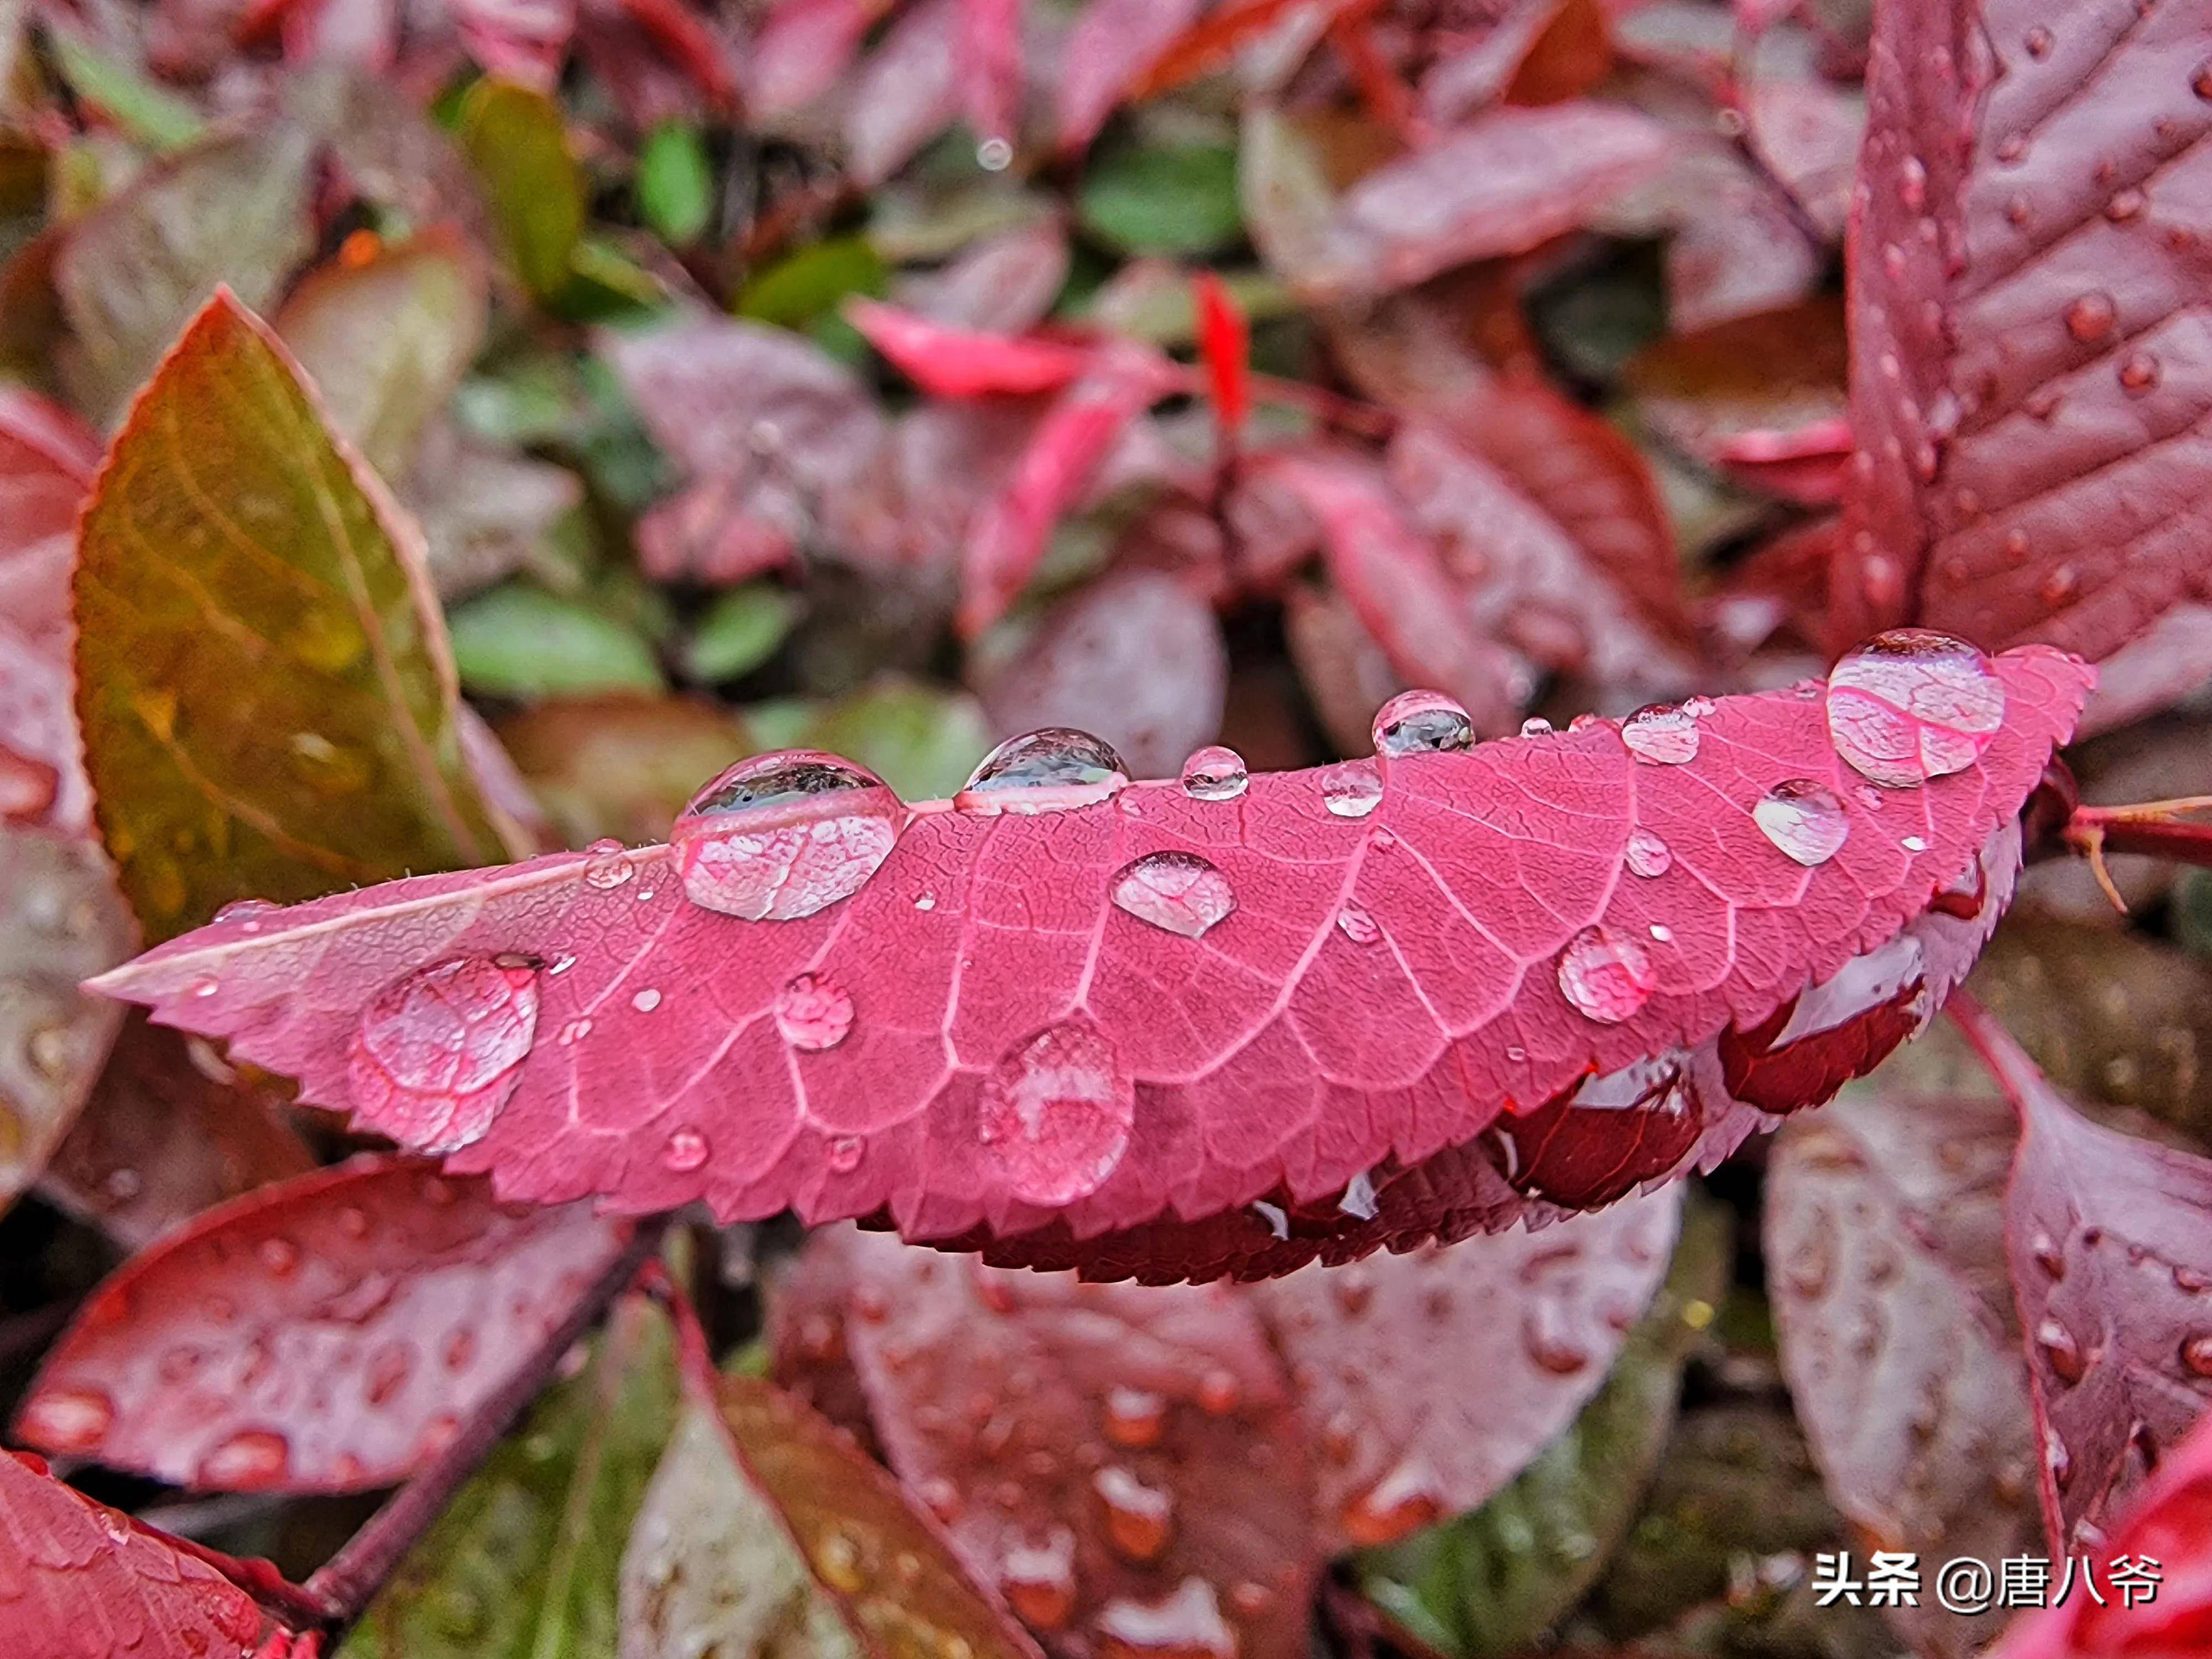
{"x":2006,"y":1061}
{"x":694,"y":1356}
{"x":300,"y":1609}
{"x":2151,"y":827}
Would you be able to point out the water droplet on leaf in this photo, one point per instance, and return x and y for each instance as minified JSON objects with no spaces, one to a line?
{"x":782,"y":836}
{"x":1352,"y":789}
{"x":1178,"y":891}
{"x":1214,"y":774}
{"x":1606,"y":976}
{"x":437,"y":1052}
{"x":1038,"y":1579}
{"x":607,"y":864}
{"x":1356,"y":925}
{"x":2089,"y":316}
{"x":1804,"y":819}
{"x":1139,"y":1519}
{"x":686,"y":1150}
{"x":68,"y":1420}
{"x":2061,"y":1349}
{"x":1134,"y":1417}
{"x":844,"y":1153}
{"x":1406,"y":1500}
{"x":1186,"y":1625}
{"x":1421,"y":723}
{"x":1647,"y":855}
{"x":1054,"y":770}
{"x":1661,"y":734}
{"x":2138,"y":373}
{"x":813,"y":1013}
{"x":1913,"y":704}
{"x":1055,"y":1114}
{"x":248,"y":1459}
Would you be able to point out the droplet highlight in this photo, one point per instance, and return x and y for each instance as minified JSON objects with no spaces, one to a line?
{"x":1056,"y":769}
{"x":813,"y":1013}
{"x":1647,"y":855}
{"x":1054,"y":1115}
{"x":437,"y":1052}
{"x":1421,"y":723}
{"x":1350,"y":789}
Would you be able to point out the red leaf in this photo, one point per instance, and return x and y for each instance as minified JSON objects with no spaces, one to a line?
{"x":1008,"y":537}
{"x":1383,"y":987}
{"x":2028,"y":279}
{"x":2110,"y":1243}
{"x":1481,"y":57}
{"x":78,"y":1578}
{"x":906,"y":94}
{"x":1224,"y":339}
{"x":1381,"y":1354}
{"x":802,"y":49}
{"x":47,"y":457}
{"x":991,"y":67}
{"x":1173,"y":1482}
{"x":2170,"y":1527}
{"x":1112,"y":43}
{"x":325,"y":1334}
{"x":1210,"y":43}
{"x":947,"y":362}
{"x":1002,"y":284}
{"x":519,"y":41}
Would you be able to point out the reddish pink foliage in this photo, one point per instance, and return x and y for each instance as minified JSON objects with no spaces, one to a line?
{"x":802,"y":49}
{"x":964,"y":363}
{"x":2026,"y":269}
{"x":523,"y":41}
{"x":1008,"y":537}
{"x":1140,"y":1450}
{"x":2110,"y":1243}
{"x":1113,"y":42}
{"x":47,"y":457}
{"x":76,"y":1577}
{"x":325,"y":1334}
{"x":991,"y":66}
{"x":2170,"y":1524}
{"x":1386,"y":989}
{"x":906,"y":93}
{"x":1003,"y":284}
{"x":1224,"y":340}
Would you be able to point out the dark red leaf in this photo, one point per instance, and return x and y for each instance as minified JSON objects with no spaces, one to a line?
{"x":2110,"y":1243}
{"x":1416,"y":951}
{"x":77,"y":1577}
{"x":1009,"y":536}
{"x":326,"y":1335}
{"x":1224,"y":340}
{"x":949,"y":362}
{"x":1120,"y":1462}
{"x":1112,"y":43}
{"x":2027,"y":280}
{"x":1481,"y":55}
{"x":1210,"y":43}
{"x":1381,"y":1354}
{"x":47,"y":457}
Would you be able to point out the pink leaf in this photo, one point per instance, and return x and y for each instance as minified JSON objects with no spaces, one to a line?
{"x":1008,"y":537}
{"x":1478,"y":60}
{"x":1224,"y":340}
{"x":2110,"y":1243}
{"x":2028,"y":320}
{"x":991,"y":67}
{"x":906,"y":93}
{"x":1112,"y":43}
{"x":1003,"y":283}
{"x":802,"y":49}
{"x":47,"y":457}
{"x":962,"y":1028}
{"x":76,"y":1577}
{"x":519,"y":41}
{"x":948,"y":361}
{"x":325,"y":1334}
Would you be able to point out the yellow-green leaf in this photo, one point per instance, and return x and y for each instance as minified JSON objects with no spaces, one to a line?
{"x":267,"y":696}
{"x":516,"y":140}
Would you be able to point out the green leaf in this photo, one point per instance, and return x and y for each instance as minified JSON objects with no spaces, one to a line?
{"x":387,"y":341}
{"x":266,"y":693}
{"x":606,"y":285}
{"x":515,"y":139}
{"x":740,"y":631}
{"x":1492,"y":1582}
{"x":145,"y":110}
{"x":518,"y":641}
{"x":813,"y":281}
{"x":1178,"y":198}
{"x":675,"y":182}
{"x":524,"y":1563}
{"x":921,"y":739}
{"x":133,"y":271}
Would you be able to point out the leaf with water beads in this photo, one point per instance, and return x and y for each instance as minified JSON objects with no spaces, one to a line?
{"x":1033,"y":1069}
{"x":328,"y":1333}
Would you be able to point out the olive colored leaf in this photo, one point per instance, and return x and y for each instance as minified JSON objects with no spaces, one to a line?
{"x":1493,"y":1580}
{"x":268,"y":701}
{"x":525,"y":1562}
{"x":516,"y":140}
{"x":387,"y":340}
{"x":131,"y":272}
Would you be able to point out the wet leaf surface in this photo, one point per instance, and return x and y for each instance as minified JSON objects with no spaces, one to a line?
{"x":325,"y":1334}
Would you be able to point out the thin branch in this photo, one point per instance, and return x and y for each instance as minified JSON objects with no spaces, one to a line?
{"x":2006,"y":1060}
{"x":2153,"y":828}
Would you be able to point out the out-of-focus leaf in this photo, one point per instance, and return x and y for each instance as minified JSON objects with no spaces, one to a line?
{"x":1478,"y":60}
{"x":803,"y":47}
{"x":132,"y":272}
{"x":813,"y":281}
{"x":386,"y":341}
{"x":675,"y":183}
{"x":266,"y":692}
{"x":526,"y":1561}
{"x":1493,"y":1581}
{"x":1346,"y":673}
{"x":990,"y":58}
{"x":1005,"y":282}
{"x":623,"y":765}
{"x":325,"y":1334}
{"x":907,"y":92}
{"x":142,"y":107}
{"x":1804,"y":124}
{"x":1111,"y":43}
{"x":60,"y":920}
{"x":919,"y":739}
{"x":518,"y":145}
{"x":1136,"y":657}
{"x":47,"y":457}
{"x":486,"y":512}
{"x":964,"y":363}
{"x":520,"y":640}
{"x":1224,"y":341}
{"x":1162,"y":199}
{"x":740,"y":631}
{"x":171,"y":1130}
{"x":1884,"y":1223}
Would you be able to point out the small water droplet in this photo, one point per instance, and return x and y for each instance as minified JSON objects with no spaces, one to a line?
{"x":1407,"y":1498}
{"x":686,"y":1149}
{"x":844,"y":1153}
{"x":2125,"y":204}
{"x":1535,"y":726}
{"x":1912,"y":184}
{"x":2048,"y":1257}
{"x":2138,"y":373}
{"x":1186,"y":1625}
{"x":1356,"y":925}
{"x":607,"y":864}
{"x":1178,"y":892}
{"x":1056,"y":768}
{"x":1214,"y":774}
{"x":247,"y":1461}
{"x":1054,"y":1115}
{"x":1358,"y":1199}
{"x":1661,"y":932}
{"x":1804,"y":819}
{"x":438,"y":1052}
{"x":646,"y":1000}
{"x":2060,"y":1462}
{"x":2058,"y":585}
{"x":246,"y":909}
{"x":68,"y":1420}
{"x":1134,"y":1417}
{"x":1913,"y":704}
{"x":782,"y":836}
{"x":1219,"y":1393}
{"x":1038,"y":1579}
{"x":838,"y":1560}
{"x":1352,"y":789}
{"x":813,"y":1013}
{"x":1139,"y":1519}
{"x":925,"y":901}
{"x":279,"y":1256}
{"x":2089,"y":316}
{"x":1915,"y":844}
{"x":1647,"y":855}
{"x":994,"y":155}
{"x":2061,"y":1349}
{"x":2037,"y":41}
{"x":1606,"y":976}
{"x":1421,"y":723}
{"x":1661,"y":734}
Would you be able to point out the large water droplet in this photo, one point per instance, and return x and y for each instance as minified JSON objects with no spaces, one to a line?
{"x":1662,"y":735}
{"x":1186,"y":1625}
{"x":1352,"y":789}
{"x":1647,"y":855}
{"x":1407,"y":1498}
{"x":1178,"y":891}
{"x":437,"y":1052}
{"x":68,"y":1420}
{"x":1038,"y":1579}
{"x":247,"y":1461}
{"x":1055,"y":1114}
{"x":1606,"y":976}
{"x":1803,"y":819}
{"x":1139,"y":1519}
{"x":1420,"y":723}
{"x":1214,"y":774}
{"x":813,"y":1013}
{"x":1913,"y":704}
{"x":780,"y":837}
{"x":608,"y":864}
{"x":1054,"y":770}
